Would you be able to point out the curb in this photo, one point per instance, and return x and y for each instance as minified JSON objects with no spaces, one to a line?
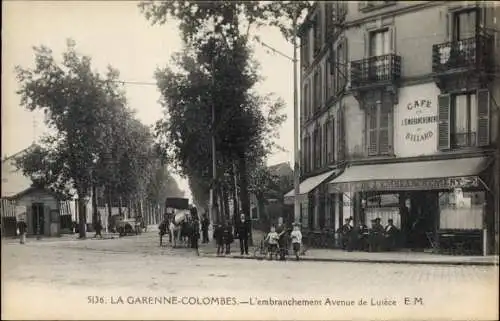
{"x":437,"y":262}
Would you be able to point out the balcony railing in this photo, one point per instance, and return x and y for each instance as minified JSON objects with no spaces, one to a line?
{"x":472,"y":53}
{"x":467,"y":139}
{"x":375,"y":70}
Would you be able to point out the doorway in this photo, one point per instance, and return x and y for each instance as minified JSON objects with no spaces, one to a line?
{"x":421,"y":220}
{"x":37,"y":210}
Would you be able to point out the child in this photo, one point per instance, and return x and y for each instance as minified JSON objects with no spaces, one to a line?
{"x":22,"y":227}
{"x":219,"y":240}
{"x":228,"y":238}
{"x":272,"y":239}
{"x":296,"y":240}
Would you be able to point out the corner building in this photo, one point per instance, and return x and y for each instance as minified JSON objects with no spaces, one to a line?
{"x":400,"y":120}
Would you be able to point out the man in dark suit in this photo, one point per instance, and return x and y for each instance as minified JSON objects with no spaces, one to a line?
{"x":205,"y":223}
{"x":242,"y":232}
{"x":391,"y":235}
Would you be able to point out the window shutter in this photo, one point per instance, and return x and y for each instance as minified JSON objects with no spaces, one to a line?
{"x":483,"y":117}
{"x":345,"y":64}
{"x":325,"y":143}
{"x":332,"y":140}
{"x":383,"y":130}
{"x":372,"y":126}
{"x":444,"y":121}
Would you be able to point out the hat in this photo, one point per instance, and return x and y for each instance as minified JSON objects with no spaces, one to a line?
{"x":377,"y":219}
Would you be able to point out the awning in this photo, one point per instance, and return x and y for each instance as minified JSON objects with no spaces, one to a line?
{"x":428,"y":175}
{"x":308,"y":185}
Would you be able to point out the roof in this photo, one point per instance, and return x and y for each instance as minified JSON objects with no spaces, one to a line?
{"x":34,"y":189}
{"x":281,"y":169}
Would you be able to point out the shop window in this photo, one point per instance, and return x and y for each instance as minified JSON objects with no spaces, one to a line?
{"x":461,"y":210}
{"x":383,"y":206}
{"x":464,"y":120}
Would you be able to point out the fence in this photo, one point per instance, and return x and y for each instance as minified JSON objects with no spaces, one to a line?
{"x":9,"y":220}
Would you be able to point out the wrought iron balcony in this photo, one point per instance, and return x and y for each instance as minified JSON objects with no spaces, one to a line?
{"x":375,"y":71}
{"x":469,"y":54}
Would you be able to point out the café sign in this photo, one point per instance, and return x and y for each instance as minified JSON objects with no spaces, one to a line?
{"x":417,"y":119}
{"x":444,"y":183}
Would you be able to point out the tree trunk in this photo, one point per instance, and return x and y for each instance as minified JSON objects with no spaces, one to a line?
{"x":236,"y":204}
{"x":110,"y":206}
{"x":244,"y":196}
{"x":260,"y":203}
{"x":225,"y":200}
{"x":94,"y":205}
{"x":120,"y":211}
{"x":82,"y":216}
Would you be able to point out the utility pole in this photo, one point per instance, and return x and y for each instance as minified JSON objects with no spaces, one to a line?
{"x":296,"y":126}
{"x":214,"y":161}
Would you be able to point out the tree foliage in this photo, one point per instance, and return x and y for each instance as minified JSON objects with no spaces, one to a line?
{"x":97,"y":140}
{"x":217,"y":68}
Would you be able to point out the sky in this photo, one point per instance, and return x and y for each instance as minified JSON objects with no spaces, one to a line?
{"x":115,"y":33}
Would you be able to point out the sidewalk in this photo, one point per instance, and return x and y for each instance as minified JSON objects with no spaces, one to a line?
{"x":332,"y":255}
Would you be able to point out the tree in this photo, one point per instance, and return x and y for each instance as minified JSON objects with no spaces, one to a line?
{"x":202,"y":25}
{"x":96,"y":141}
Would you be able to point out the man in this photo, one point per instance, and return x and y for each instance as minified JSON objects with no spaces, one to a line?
{"x":345,"y":232}
{"x":242,"y":232}
{"x":219,"y":238}
{"x":228,"y":238}
{"x":376,"y":236}
{"x":22,"y":227}
{"x":361,"y":236}
{"x":98,"y":227}
{"x":195,"y":235}
{"x":391,"y":233}
{"x":205,"y":223}
{"x":282,"y":240}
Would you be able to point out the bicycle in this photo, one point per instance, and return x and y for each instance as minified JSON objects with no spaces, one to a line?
{"x":261,"y":250}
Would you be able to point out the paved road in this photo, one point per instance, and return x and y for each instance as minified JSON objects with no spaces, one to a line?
{"x":48,"y":280}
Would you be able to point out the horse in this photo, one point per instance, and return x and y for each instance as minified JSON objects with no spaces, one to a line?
{"x":179,"y":232}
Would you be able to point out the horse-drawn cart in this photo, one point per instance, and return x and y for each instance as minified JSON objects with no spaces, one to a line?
{"x":128,"y":226}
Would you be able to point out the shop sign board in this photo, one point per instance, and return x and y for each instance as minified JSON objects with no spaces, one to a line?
{"x":410,"y":184}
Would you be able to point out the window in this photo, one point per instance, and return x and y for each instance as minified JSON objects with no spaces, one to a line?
{"x":317,"y":148}
{"x":310,"y":155}
{"x":305,"y":102}
{"x":332,"y":74}
{"x":305,"y":56}
{"x":379,"y":129}
{"x":379,"y":47}
{"x":341,"y":63}
{"x":463,"y":120}
{"x":465,"y":24}
{"x":317,"y":90}
{"x":318,"y":35}
{"x":324,"y":144}
{"x":330,"y":141}
{"x":370,"y":5}
{"x":304,"y":154}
